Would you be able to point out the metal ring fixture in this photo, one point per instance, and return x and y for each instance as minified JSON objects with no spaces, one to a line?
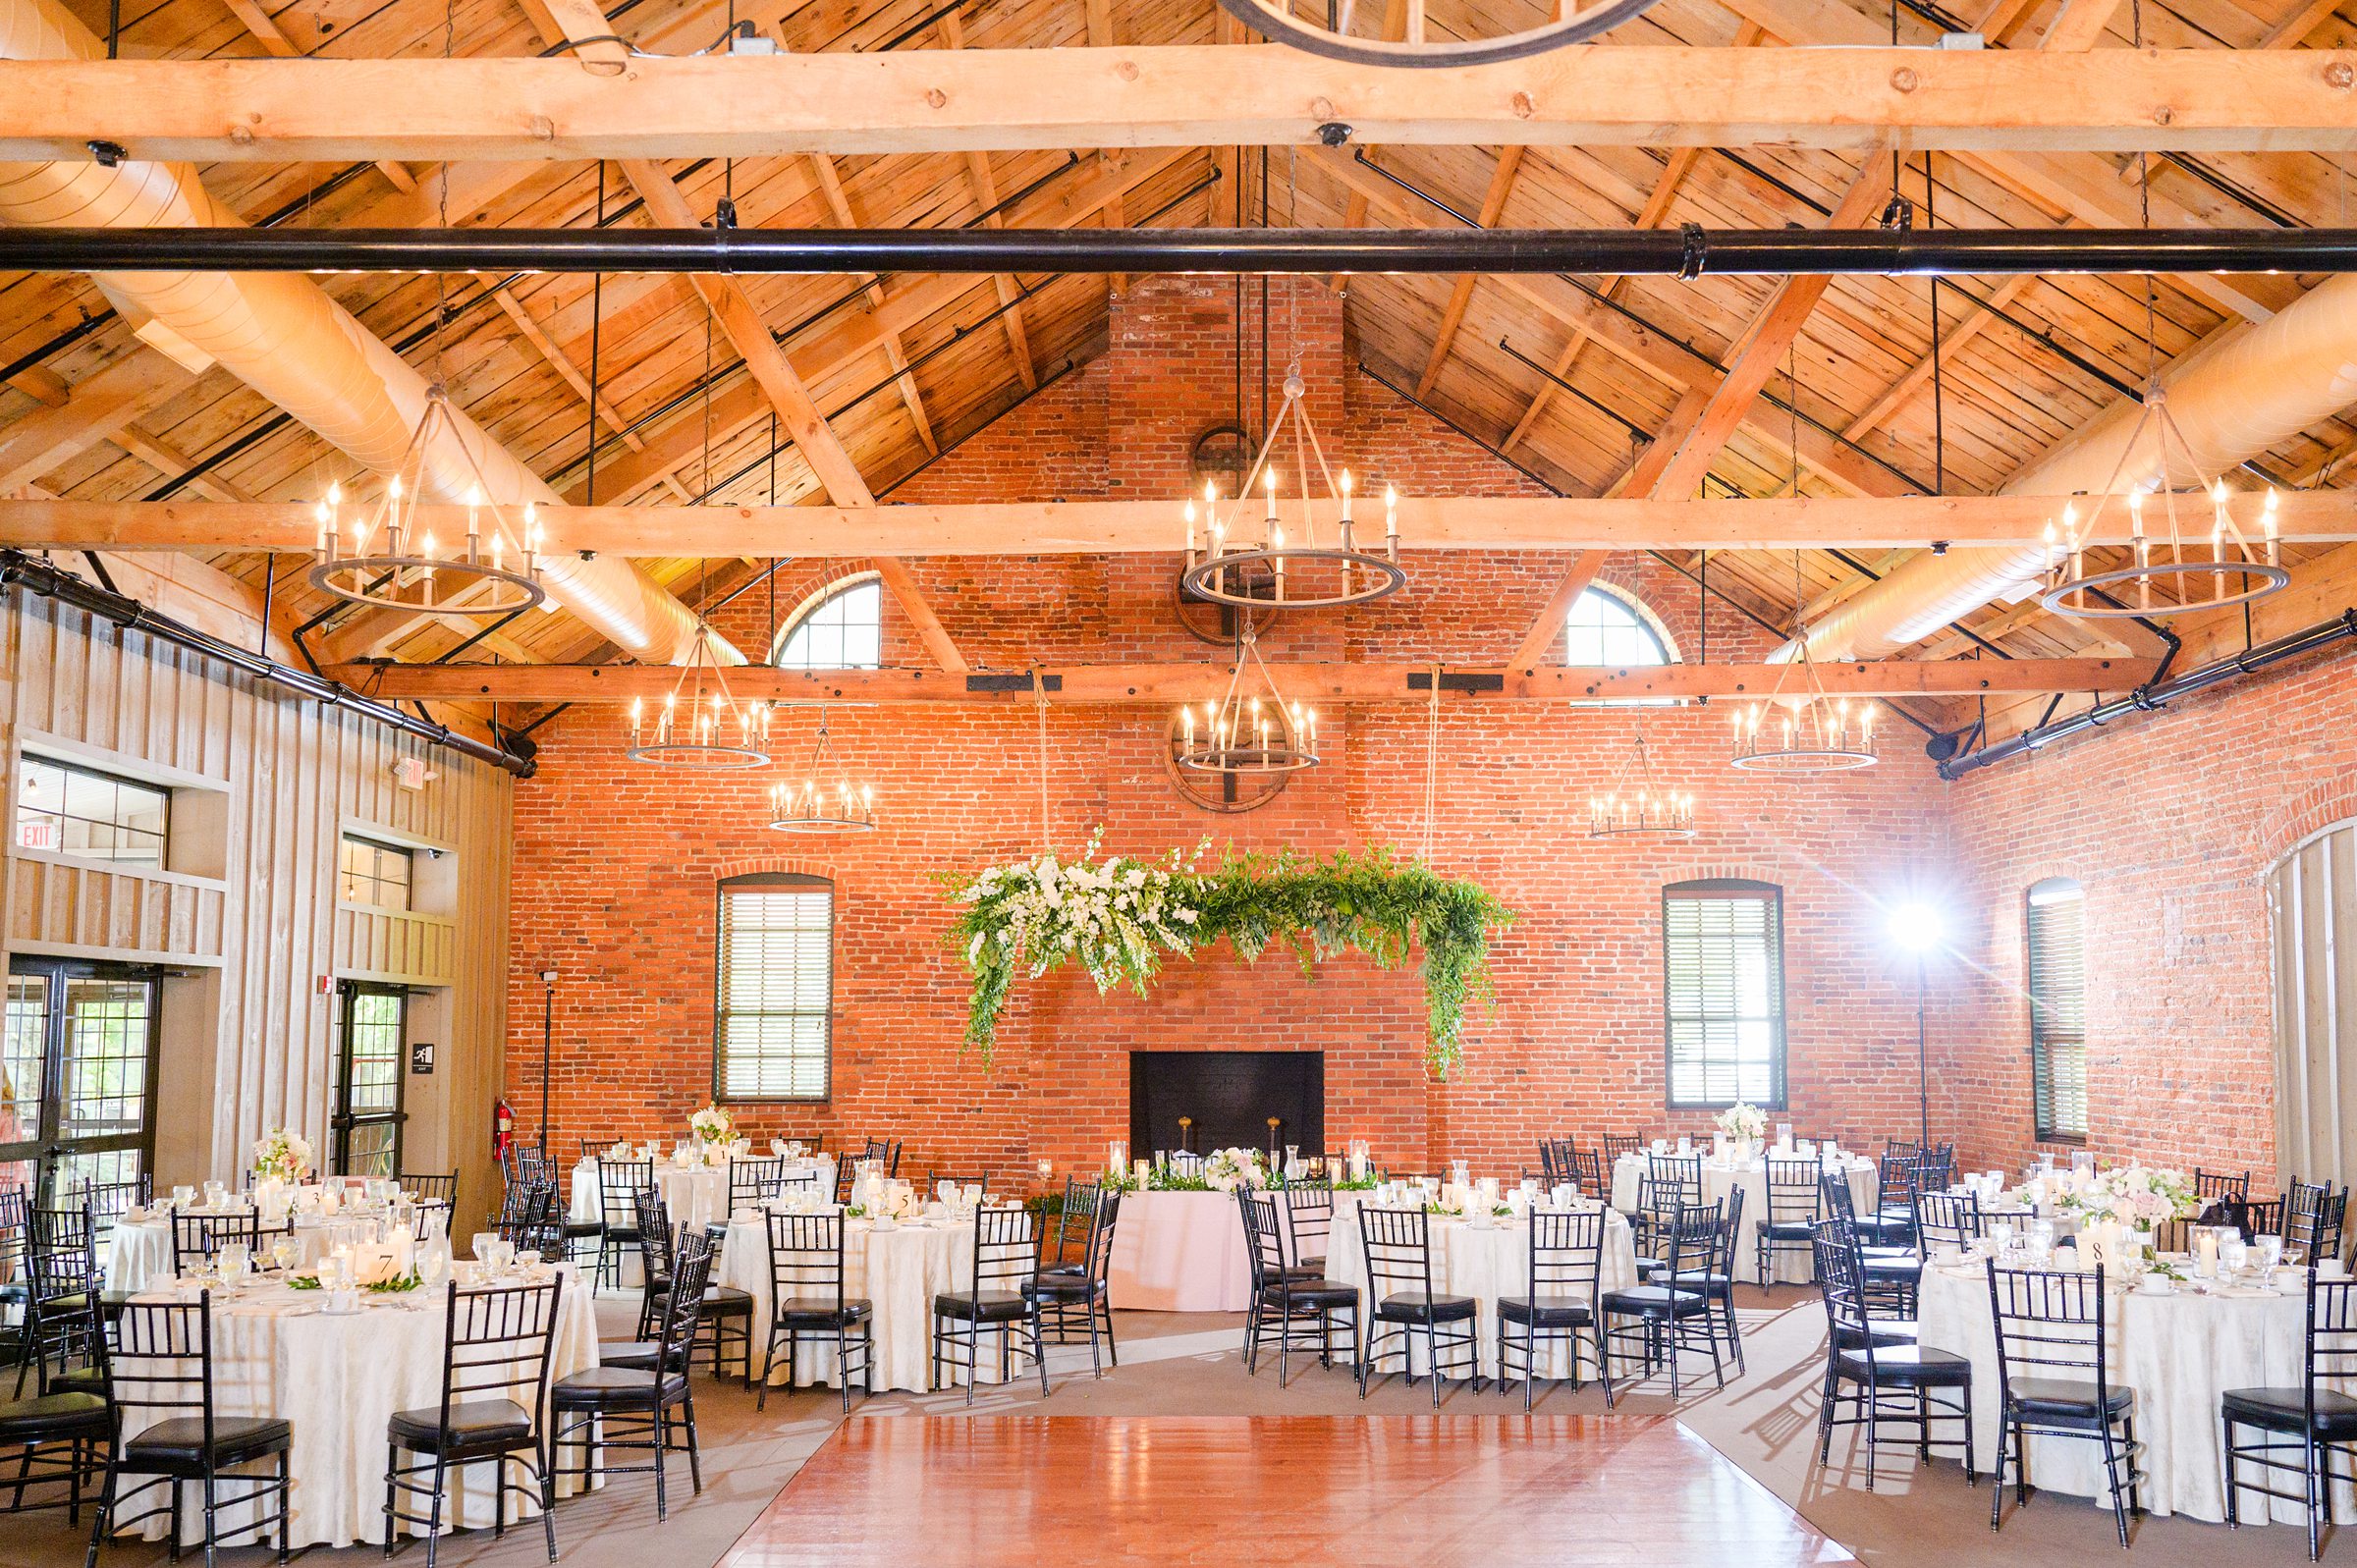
{"x":1247,"y":760}
{"x":1807,"y":759}
{"x":1642,"y":831}
{"x":2258,"y":578}
{"x":1204,"y":579}
{"x":822,"y":824}
{"x":715,"y":755}
{"x":1269,"y":19}
{"x":514,"y":591}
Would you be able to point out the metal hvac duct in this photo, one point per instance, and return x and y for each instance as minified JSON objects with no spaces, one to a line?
{"x":2246,"y":392}
{"x":1690,"y":251}
{"x":286,"y":340}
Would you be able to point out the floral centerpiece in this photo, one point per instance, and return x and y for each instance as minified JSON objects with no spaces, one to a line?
{"x":712,"y":1124}
{"x":1119,"y":916}
{"x":2133,"y":1197}
{"x":1231,"y":1168}
{"x":1742,"y":1123}
{"x":284,"y":1154}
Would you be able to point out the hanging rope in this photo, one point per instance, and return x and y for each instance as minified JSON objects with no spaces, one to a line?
{"x":1431,"y":759}
{"x":1039,"y":699}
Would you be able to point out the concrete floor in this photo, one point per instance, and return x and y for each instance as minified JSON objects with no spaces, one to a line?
{"x":1764,"y":1421}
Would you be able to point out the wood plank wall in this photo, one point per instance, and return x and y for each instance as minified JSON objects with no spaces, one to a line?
{"x":265,"y":784}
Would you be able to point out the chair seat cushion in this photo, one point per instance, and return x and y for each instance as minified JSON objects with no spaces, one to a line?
{"x":988,"y":1306}
{"x":1698,"y":1279}
{"x":1546,"y":1312}
{"x":720,"y":1301}
{"x":2285,"y":1410}
{"x":1310,"y":1294}
{"x":581,"y":1227}
{"x":1063,"y":1287}
{"x":1885,"y":1270}
{"x":180,"y":1442}
{"x":1908,"y":1366}
{"x":2056,"y":1399}
{"x":1061,"y":1269}
{"x":810,"y":1312}
{"x":1881,"y":1330}
{"x":612,"y":1388}
{"x":1657,"y":1301}
{"x":473,"y":1424}
{"x":1788,"y":1230}
{"x":1416,"y":1306}
{"x":52,"y":1415}
{"x":641,"y":1354}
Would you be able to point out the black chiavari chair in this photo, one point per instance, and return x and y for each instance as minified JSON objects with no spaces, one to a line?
{"x":1398,"y":1244}
{"x":1065,"y":1295}
{"x":1715,"y":1277}
{"x":2312,"y":1422}
{"x":528,"y":1218}
{"x":1294,"y":1311}
{"x":199,"y":1237}
{"x":752,"y":1182}
{"x":1948,"y":1220}
{"x":808,"y":1296}
{"x":614,"y":1406}
{"x":1670,"y":1318}
{"x":431,"y":1186}
{"x":109,"y":1201}
{"x":619,"y":1184}
{"x":599,"y":1148}
{"x":2209,"y":1184}
{"x":1892,"y":1275}
{"x":1898,"y":1178}
{"x":885,"y":1152}
{"x":1554,"y":1159}
{"x":62,"y":1434}
{"x":495,"y":1366}
{"x":1669,"y":1183}
{"x":1308,"y":1222}
{"x":161,"y":1366}
{"x":1895,"y":1381}
{"x":1795,"y":1206}
{"x":1589,"y":1175}
{"x":1075,"y":1221}
{"x":1004,"y":1297}
{"x":2313,"y":1217}
{"x":1561,"y":1300}
{"x":845,"y":1170}
{"x":2055,"y":1373}
{"x":1616,"y":1146}
{"x":64,"y":1260}
{"x":727,"y":1311}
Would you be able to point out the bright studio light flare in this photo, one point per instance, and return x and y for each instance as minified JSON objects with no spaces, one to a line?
{"x":1916,"y":927}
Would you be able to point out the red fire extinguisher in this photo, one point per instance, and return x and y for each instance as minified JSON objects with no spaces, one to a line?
{"x":503,"y":1127}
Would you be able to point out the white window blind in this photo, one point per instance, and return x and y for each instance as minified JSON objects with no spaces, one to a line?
{"x":777,"y":986}
{"x":2057,"y":941}
{"x":1723,"y":955}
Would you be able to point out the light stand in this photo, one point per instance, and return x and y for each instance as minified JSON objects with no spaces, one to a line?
{"x":1916,"y":927}
{"x":548,"y":1016}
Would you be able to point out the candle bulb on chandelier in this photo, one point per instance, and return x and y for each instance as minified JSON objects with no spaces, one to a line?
{"x":1191,"y":532}
{"x":1390,"y":523}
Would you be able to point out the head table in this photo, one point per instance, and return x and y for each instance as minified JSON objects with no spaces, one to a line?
{"x":2179,"y":1353}
{"x":337,"y":1381}
{"x":1722,"y":1179}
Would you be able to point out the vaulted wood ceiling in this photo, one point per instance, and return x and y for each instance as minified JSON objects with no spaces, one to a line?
{"x":905,"y":368}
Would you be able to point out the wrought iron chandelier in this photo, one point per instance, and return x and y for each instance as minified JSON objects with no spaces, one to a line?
{"x":1637,"y":806}
{"x":1811,"y":732}
{"x":701,"y":723}
{"x":1285,"y":566}
{"x":1251,"y":729}
{"x":2226,"y":569}
{"x":388,"y":560}
{"x":826,"y":800}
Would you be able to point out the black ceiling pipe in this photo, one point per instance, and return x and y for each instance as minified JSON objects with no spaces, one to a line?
{"x":39,"y":576}
{"x":1690,"y":251}
{"x":2148,"y":697}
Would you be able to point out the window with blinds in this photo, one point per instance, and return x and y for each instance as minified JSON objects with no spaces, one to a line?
{"x":773,"y":1034}
{"x":2057,"y":940}
{"x":1723,"y":952}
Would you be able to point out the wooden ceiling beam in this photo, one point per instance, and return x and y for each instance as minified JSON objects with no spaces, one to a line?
{"x":96,"y":407}
{"x":1460,"y":296}
{"x":1146,"y":683}
{"x":1844,"y":99}
{"x":1152,"y":526}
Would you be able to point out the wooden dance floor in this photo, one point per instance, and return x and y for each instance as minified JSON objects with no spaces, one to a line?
{"x":1485,"y":1491}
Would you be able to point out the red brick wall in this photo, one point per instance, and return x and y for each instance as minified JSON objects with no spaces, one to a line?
{"x":2171,"y":822}
{"x":616,"y":863}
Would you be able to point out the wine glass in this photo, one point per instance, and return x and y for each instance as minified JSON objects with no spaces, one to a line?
{"x":286,"y":1252}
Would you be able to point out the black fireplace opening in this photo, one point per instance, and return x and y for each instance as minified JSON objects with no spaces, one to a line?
{"x":1228,"y":1097}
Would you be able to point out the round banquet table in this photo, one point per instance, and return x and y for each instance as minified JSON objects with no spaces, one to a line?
{"x":693,"y":1195}
{"x":897,"y":1272}
{"x":1792,"y":1265}
{"x":2179,"y":1353}
{"x":1180,"y":1251}
{"x":337,"y":1381}
{"x":1484,"y":1263}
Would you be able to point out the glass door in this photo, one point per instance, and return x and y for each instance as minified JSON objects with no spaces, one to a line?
{"x":77,"y":1074}
{"x":371,"y":1031}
